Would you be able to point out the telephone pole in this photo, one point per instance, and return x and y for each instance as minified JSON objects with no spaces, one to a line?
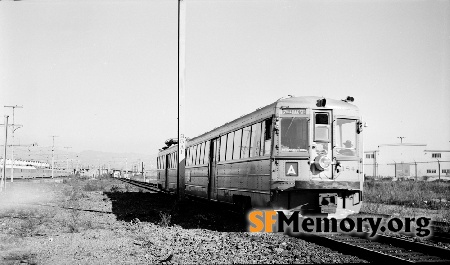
{"x":401,"y":139}
{"x":3,"y":179}
{"x":181,"y":98}
{"x":12,"y":141}
{"x":53,"y":149}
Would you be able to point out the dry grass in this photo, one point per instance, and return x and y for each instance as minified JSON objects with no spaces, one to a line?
{"x":428,"y":195}
{"x":408,"y":198}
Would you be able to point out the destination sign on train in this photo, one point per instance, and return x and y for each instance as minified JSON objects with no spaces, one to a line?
{"x":294,"y":111}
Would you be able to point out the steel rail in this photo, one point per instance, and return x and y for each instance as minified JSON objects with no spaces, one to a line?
{"x":439,"y":234}
{"x":144,"y":185}
{"x":381,"y":248}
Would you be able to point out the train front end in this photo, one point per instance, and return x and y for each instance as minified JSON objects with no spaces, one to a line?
{"x":317,"y":165}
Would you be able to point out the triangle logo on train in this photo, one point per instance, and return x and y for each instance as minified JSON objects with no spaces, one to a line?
{"x":291,"y":169}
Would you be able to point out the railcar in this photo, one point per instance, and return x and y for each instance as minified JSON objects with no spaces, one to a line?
{"x":30,"y":172}
{"x":298,"y":154}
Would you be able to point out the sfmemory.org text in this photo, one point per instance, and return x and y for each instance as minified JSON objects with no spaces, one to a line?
{"x":277,"y":221}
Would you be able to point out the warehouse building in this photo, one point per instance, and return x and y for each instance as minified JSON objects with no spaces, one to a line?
{"x":407,"y":161}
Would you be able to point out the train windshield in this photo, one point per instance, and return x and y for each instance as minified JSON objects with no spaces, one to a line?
{"x":294,"y":134}
{"x":345,"y":136}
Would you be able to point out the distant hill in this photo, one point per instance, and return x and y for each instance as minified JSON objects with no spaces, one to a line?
{"x":89,"y":158}
{"x":117,"y":160}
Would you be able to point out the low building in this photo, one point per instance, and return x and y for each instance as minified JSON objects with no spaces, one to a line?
{"x":407,"y":161}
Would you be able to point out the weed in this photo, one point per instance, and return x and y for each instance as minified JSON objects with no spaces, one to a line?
{"x":115,"y":189}
{"x":165,"y":219}
{"x":420,"y":194}
{"x":72,"y":223}
{"x":128,"y":187}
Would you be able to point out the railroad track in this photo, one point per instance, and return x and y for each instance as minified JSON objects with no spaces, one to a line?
{"x":441,"y":230}
{"x":381,"y":248}
{"x":144,"y":185}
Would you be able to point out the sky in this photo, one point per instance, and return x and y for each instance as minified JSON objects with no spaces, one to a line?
{"x":102,"y":75}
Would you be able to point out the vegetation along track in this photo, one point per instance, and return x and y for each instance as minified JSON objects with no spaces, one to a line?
{"x":381,"y":248}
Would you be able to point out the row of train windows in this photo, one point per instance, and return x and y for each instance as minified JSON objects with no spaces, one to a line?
{"x":251,"y":141}
{"x":171,"y":161}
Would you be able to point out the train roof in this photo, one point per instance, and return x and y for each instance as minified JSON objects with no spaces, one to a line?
{"x":266,"y":111}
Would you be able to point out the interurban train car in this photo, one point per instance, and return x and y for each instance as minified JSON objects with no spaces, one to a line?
{"x":298,"y":154}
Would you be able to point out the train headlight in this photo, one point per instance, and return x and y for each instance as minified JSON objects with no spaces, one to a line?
{"x":322,"y":162}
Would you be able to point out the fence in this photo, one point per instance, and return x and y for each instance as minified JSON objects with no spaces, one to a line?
{"x":429,"y":170}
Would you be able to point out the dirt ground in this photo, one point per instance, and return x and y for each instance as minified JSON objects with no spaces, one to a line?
{"x":105,"y":221}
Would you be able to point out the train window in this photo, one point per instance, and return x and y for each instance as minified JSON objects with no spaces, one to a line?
{"x":172,"y":160}
{"x":195,"y":155}
{"x":322,"y":127}
{"x":176,"y":159}
{"x":255,"y":142}
{"x":237,"y":144}
{"x":206,"y":160}
{"x":245,"y":148}
{"x":294,"y":134}
{"x":216,"y":146}
{"x":322,"y":118}
{"x":262,"y":139}
{"x":192,"y":158}
{"x":267,"y":136}
{"x":223,"y":147}
{"x":345,"y":137}
{"x":197,"y":158}
{"x":230,"y":138}
{"x":202,"y":153}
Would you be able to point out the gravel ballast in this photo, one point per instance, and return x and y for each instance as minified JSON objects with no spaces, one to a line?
{"x":106,"y":221}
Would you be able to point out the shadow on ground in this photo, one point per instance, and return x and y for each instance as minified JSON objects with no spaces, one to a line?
{"x":164,"y":209}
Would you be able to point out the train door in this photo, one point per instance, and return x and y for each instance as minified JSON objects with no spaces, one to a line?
{"x":212,"y":183}
{"x":321,"y":148}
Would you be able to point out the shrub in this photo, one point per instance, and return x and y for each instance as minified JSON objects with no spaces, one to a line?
{"x":165,"y":219}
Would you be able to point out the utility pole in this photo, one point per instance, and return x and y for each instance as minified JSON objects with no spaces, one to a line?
{"x":53,"y":149}
{"x":3,"y":179}
{"x":401,"y":139}
{"x":181,"y":98}
{"x":12,"y":142}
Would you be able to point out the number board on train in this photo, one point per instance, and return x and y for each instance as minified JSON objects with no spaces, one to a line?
{"x":294,"y":111}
